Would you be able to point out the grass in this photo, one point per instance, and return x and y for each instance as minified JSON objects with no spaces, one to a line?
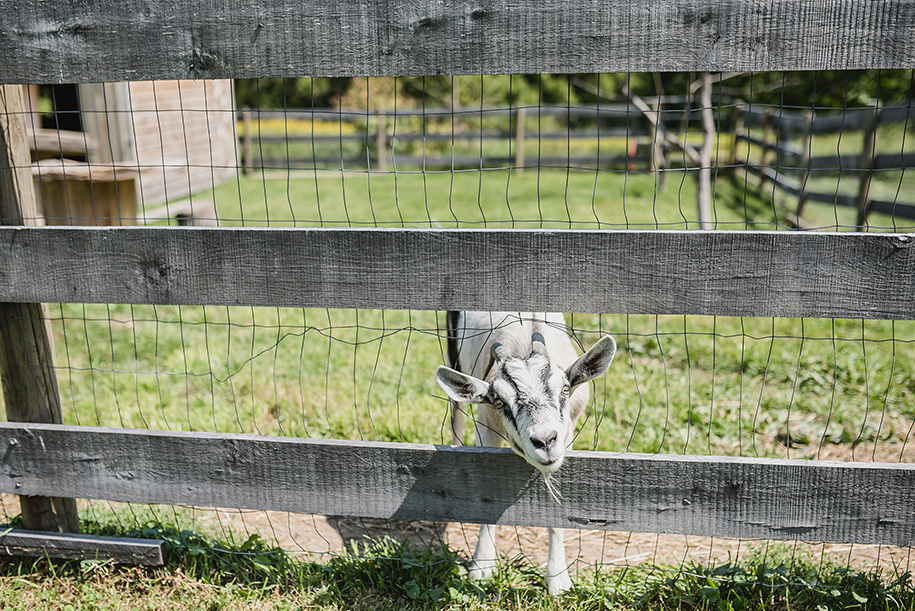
{"x":692,"y":385}
{"x":888,"y":184}
{"x":695,"y":385}
{"x":837,"y":389}
{"x":205,"y":573}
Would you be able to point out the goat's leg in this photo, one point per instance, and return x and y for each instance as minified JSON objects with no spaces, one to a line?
{"x":557,"y":570}
{"x":485,"y":558}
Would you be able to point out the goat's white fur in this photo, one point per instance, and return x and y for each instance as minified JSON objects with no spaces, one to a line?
{"x":530,"y":423}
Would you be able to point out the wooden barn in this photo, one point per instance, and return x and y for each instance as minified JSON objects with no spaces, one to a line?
{"x":108,"y":154}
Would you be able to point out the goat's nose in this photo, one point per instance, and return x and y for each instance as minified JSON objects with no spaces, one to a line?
{"x":544,"y":441}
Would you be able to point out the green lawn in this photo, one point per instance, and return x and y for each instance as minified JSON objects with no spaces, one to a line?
{"x":203,"y":573}
{"x":834,"y":389}
{"x":691,"y":385}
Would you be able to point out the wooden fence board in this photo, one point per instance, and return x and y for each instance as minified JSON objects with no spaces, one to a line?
{"x":830,"y":121}
{"x":726,"y":273}
{"x":406,"y":163}
{"x":793,"y":187}
{"x":38,"y":544}
{"x":444,"y":114}
{"x":722,"y":497}
{"x":790,"y":158}
{"x":402,"y":136}
{"x":59,"y":42}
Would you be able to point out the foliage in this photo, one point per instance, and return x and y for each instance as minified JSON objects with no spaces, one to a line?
{"x":823,"y":88}
{"x":290,"y":93}
{"x":761,"y":586}
{"x":203,"y":572}
{"x":252,"y":562}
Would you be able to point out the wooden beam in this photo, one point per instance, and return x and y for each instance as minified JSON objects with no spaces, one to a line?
{"x":869,"y":138}
{"x":45,"y":143}
{"x":49,"y":42}
{"x":805,"y":166}
{"x":67,"y":546}
{"x":652,"y":117}
{"x":713,"y":496}
{"x":726,"y":273}
{"x":842,"y":120}
{"x":27,"y":371}
{"x":793,"y":187}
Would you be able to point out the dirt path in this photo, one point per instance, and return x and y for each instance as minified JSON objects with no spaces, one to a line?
{"x":318,"y":536}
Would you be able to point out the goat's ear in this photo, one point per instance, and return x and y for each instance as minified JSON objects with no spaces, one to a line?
{"x":592,"y":363}
{"x":460,"y":386}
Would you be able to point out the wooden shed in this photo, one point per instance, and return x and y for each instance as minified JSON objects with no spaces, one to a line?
{"x":138,"y":144}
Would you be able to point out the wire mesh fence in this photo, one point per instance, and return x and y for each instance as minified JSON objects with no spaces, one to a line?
{"x":619,"y":151}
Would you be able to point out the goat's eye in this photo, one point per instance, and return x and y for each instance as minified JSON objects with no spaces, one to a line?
{"x":498,"y":403}
{"x":566,"y":389}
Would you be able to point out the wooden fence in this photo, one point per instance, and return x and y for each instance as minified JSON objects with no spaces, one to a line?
{"x":374,"y":134}
{"x":773,"y":146}
{"x":654,"y":272}
{"x":789,"y":166}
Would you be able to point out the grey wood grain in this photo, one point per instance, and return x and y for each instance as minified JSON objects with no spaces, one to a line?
{"x":37,"y":544}
{"x":726,"y":497}
{"x":63,"y":42}
{"x":739,"y":273}
{"x":27,"y":369}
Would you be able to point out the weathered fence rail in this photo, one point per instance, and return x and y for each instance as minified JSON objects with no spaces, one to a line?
{"x":789,"y":165}
{"x":168,"y":39}
{"x":377,"y":133}
{"x":715,"y":496}
{"x":725,"y":273}
{"x":751,"y":273}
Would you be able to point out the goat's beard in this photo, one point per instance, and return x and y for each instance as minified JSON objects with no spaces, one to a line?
{"x":548,"y":480}
{"x":546,"y":471}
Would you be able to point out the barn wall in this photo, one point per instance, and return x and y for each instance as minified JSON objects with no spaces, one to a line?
{"x":184,"y":134}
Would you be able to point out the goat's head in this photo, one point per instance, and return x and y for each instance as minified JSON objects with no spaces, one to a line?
{"x":531,"y":395}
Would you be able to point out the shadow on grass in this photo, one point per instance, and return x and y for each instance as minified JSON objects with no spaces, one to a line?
{"x":391,"y":574}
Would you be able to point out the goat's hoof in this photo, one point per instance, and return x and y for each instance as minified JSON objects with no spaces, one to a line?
{"x":481,"y":570}
{"x":557,"y":584}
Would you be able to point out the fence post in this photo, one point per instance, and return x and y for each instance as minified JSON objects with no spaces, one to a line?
{"x":520,"y":116}
{"x":805,"y":164}
{"x":867,"y":166}
{"x":768,"y":131}
{"x":657,"y":159}
{"x":247,"y":146}
{"x":704,"y":193}
{"x":738,"y":128}
{"x":26,"y":351}
{"x":381,"y":141}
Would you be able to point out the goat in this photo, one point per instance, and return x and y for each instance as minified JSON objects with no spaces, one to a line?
{"x":523,"y":372}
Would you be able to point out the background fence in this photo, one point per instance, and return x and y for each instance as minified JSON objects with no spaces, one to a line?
{"x":278,"y":369}
{"x":828,"y":158}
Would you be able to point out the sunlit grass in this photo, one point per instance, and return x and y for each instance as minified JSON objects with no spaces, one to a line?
{"x":693,"y":385}
{"x":205,"y":572}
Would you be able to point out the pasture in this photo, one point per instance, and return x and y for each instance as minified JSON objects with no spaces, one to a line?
{"x":832,"y":389}
{"x":681,"y":385}
{"x":257,"y":393}
{"x":797,"y":388}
